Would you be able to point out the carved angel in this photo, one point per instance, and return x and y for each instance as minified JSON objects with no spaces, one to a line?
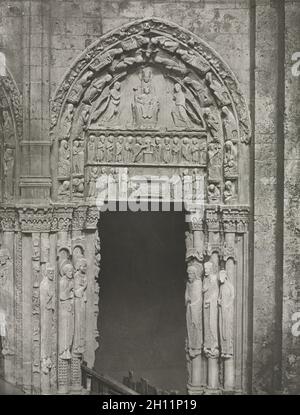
{"x":220,"y":91}
{"x":108,"y":108}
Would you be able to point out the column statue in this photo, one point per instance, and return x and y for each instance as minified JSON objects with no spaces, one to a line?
{"x":226,"y":304}
{"x":47,"y":304}
{"x":194,"y":341}
{"x":66,"y":311}
{"x":80,"y":285}
{"x":210,"y":311}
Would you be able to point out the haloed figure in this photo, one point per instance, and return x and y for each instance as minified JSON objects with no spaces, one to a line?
{"x":193,"y":301}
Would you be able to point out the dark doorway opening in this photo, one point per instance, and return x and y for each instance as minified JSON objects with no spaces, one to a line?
{"x":141,"y":308}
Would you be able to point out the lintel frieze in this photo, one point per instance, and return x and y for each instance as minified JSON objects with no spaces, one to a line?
{"x":64,"y":218}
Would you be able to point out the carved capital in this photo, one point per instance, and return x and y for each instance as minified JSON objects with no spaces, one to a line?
{"x":235,"y":219}
{"x":62,"y":219}
{"x":79,"y":217}
{"x":35,"y":219}
{"x":212,"y":219}
{"x":92,"y":218}
{"x":8,"y":219}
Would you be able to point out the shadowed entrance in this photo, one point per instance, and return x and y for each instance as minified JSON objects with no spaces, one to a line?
{"x":142,"y":311}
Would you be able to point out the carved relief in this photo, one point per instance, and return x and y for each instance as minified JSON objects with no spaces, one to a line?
{"x":6,"y":313}
{"x":148,"y":149}
{"x":66,"y":122}
{"x":150,"y":94}
{"x":226,"y":309}
{"x":145,"y":104}
{"x":64,"y":164}
{"x":147,"y":79}
{"x":47,"y":301}
{"x":210,"y":311}
{"x":230,"y":160}
{"x":213,"y":193}
{"x":229,"y":192}
{"x":78,"y":157}
{"x":66,"y":308}
{"x":193,"y":302}
{"x":9,"y":162}
{"x":80,"y":285}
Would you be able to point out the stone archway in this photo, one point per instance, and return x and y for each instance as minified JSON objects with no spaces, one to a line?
{"x":151,"y":99}
{"x":149,"y":96}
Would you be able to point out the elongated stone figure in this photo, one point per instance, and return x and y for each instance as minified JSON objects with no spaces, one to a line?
{"x":210,"y":311}
{"x":80,"y":285}
{"x":226,"y":302}
{"x":66,"y":311}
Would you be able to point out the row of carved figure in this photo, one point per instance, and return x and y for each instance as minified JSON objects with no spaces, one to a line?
{"x":71,"y":311}
{"x":129,"y":149}
{"x":209,"y":312}
{"x":104,"y":178}
{"x":146,"y":149}
{"x":145,"y":108}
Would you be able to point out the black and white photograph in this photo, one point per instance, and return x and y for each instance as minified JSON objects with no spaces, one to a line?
{"x":149,"y":200}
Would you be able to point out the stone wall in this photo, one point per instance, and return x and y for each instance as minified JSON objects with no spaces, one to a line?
{"x":42,"y":38}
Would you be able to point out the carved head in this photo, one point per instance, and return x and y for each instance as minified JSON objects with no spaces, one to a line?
{"x":102,"y":138}
{"x":211,"y":188}
{"x":67,"y":271}
{"x":82,"y":265}
{"x":225,"y":110}
{"x":192,"y":273}
{"x":177,"y":87}
{"x":157,"y":140}
{"x":50,"y":273}
{"x":176,"y":140}
{"x":146,"y":74}
{"x":228,"y":145}
{"x":66,"y":185}
{"x":222,"y":276}
{"x":117,"y":86}
{"x":92,"y":138}
{"x":70,"y":108}
{"x":228,"y":185}
{"x":185,"y":140}
{"x":167,"y":140}
{"x":194,"y":140}
{"x":208,"y":267}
